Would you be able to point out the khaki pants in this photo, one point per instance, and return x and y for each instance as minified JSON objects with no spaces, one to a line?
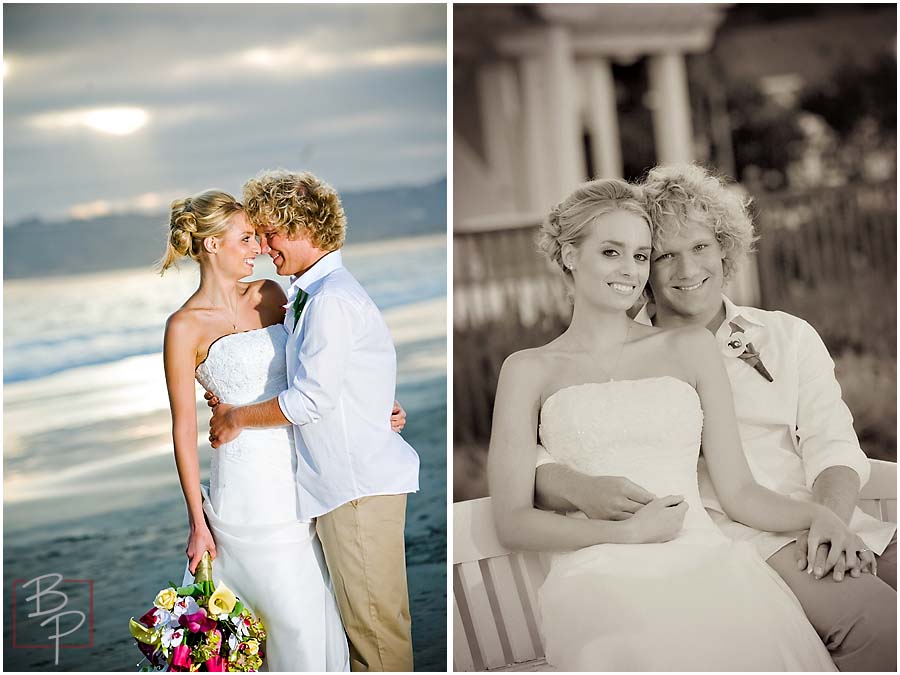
{"x":364,"y":549}
{"x":856,"y":618}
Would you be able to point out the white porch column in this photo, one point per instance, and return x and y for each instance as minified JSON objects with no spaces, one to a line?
{"x":496,"y":82}
{"x":536,"y":149}
{"x":563,"y":120}
{"x":671,"y":108}
{"x":603,"y":120}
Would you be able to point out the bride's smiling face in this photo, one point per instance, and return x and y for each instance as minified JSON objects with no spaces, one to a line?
{"x":236,"y":250}
{"x":612,"y":263}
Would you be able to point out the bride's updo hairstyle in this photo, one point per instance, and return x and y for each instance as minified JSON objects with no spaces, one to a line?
{"x":568,"y":222}
{"x":192,"y":220}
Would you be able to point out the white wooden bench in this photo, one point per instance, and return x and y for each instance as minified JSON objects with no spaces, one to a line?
{"x":495,"y":624}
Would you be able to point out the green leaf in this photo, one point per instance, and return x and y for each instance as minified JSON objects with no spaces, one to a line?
{"x":193,"y":590}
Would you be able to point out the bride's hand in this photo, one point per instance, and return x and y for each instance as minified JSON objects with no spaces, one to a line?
{"x":398,"y":417}
{"x":660,"y":520}
{"x":828,"y":527}
{"x":200,"y":540}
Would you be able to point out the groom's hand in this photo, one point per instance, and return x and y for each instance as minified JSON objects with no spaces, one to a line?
{"x":223,"y":425}
{"x":611,"y":498}
{"x":859,"y":562}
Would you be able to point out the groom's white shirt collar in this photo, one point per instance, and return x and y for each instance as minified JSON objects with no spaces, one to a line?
{"x":320,"y":269}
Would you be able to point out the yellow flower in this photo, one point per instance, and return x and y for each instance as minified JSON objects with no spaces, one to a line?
{"x":252,"y":647}
{"x":141,"y":633}
{"x":222,"y":600}
{"x":165,"y":599}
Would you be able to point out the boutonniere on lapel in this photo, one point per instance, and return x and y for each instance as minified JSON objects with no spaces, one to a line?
{"x":746,"y":351}
{"x":299,"y":304}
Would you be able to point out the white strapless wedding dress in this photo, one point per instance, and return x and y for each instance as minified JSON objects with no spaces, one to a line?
{"x":697,"y":603}
{"x":264,"y":553}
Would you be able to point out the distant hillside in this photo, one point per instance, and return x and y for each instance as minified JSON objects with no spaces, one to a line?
{"x":125,"y":241}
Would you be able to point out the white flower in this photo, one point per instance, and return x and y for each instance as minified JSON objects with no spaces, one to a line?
{"x":161,"y":617}
{"x":171,"y":637}
{"x":185,"y":605}
{"x":233,"y":642}
{"x":239,"y":626}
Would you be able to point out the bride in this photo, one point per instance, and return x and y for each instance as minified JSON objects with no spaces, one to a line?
{"x":229,"y":336}
{"x":665,"y":589}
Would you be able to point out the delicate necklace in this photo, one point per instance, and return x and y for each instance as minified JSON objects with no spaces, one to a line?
{"x":233,"y":313}
{"x":611,"y":372}
{"x":619,"y":356}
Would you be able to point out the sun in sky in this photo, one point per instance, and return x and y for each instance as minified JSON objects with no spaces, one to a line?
{"x":117,"y":121}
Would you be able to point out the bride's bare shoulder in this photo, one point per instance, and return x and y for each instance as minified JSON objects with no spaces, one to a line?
{"x":531,"y":365}
{"x":267,"y":289}
{"x":269,"y":299}
{"x":184,"y":322}
{"x":690,"y":341}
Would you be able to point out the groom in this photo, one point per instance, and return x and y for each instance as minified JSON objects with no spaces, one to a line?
{"x":796,"y":431}
{"x":353,"y":471}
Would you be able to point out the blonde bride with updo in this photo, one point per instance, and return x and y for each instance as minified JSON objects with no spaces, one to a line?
{"x":228,"y":336}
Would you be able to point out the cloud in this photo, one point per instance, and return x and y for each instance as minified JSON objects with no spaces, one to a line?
{"x":94,"y":209}
{"x":404,"y":55}
{"x":147,"y":202}
{"x":222,"y":90}
{"x":120,"y":121}
{"x":302,"y":60}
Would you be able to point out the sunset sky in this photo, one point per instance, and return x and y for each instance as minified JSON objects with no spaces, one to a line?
{"x":111,"y":108}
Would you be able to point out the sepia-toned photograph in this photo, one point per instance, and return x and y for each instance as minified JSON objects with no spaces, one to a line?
{"x":225,"y":337}
{"x":674,"y":337}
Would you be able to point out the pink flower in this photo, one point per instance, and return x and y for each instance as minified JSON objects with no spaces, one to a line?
{"x":215,"y":664}
{"x":181,"y":658}
{"x":197,"y":622}
{"x":150,"y":618}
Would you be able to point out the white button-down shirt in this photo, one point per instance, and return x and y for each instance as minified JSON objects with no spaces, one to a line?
{"x":341,"y":368}
{"x":793,"y":428}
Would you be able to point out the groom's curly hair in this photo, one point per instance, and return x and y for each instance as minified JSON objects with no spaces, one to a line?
{"x":296,"y":203}
{"x":682,"y":194}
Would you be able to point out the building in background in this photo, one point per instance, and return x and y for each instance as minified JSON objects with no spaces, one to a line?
{"x":535,"y":100}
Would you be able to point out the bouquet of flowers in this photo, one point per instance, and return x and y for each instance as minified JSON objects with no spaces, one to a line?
{"x":199,"y":627}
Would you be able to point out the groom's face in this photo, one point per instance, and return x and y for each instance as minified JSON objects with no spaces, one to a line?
{"x":686,"y":273}
{"x":290,"y":256}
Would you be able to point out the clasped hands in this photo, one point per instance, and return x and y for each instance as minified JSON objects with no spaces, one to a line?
{"x":224,"y":426}
{"x":828,"y":547}
{"x":836,"y":550}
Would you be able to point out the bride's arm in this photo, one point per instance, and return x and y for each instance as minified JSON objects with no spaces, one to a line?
{"x":179,"y":353}
{"x":743,"y":499}
{"x":511,"y":470}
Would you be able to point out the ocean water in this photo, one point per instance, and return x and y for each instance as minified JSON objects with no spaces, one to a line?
{"x":90,"y":489}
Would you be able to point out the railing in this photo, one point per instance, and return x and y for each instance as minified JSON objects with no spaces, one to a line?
{"x":506,"y":297}
{"x":829,"y":256}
